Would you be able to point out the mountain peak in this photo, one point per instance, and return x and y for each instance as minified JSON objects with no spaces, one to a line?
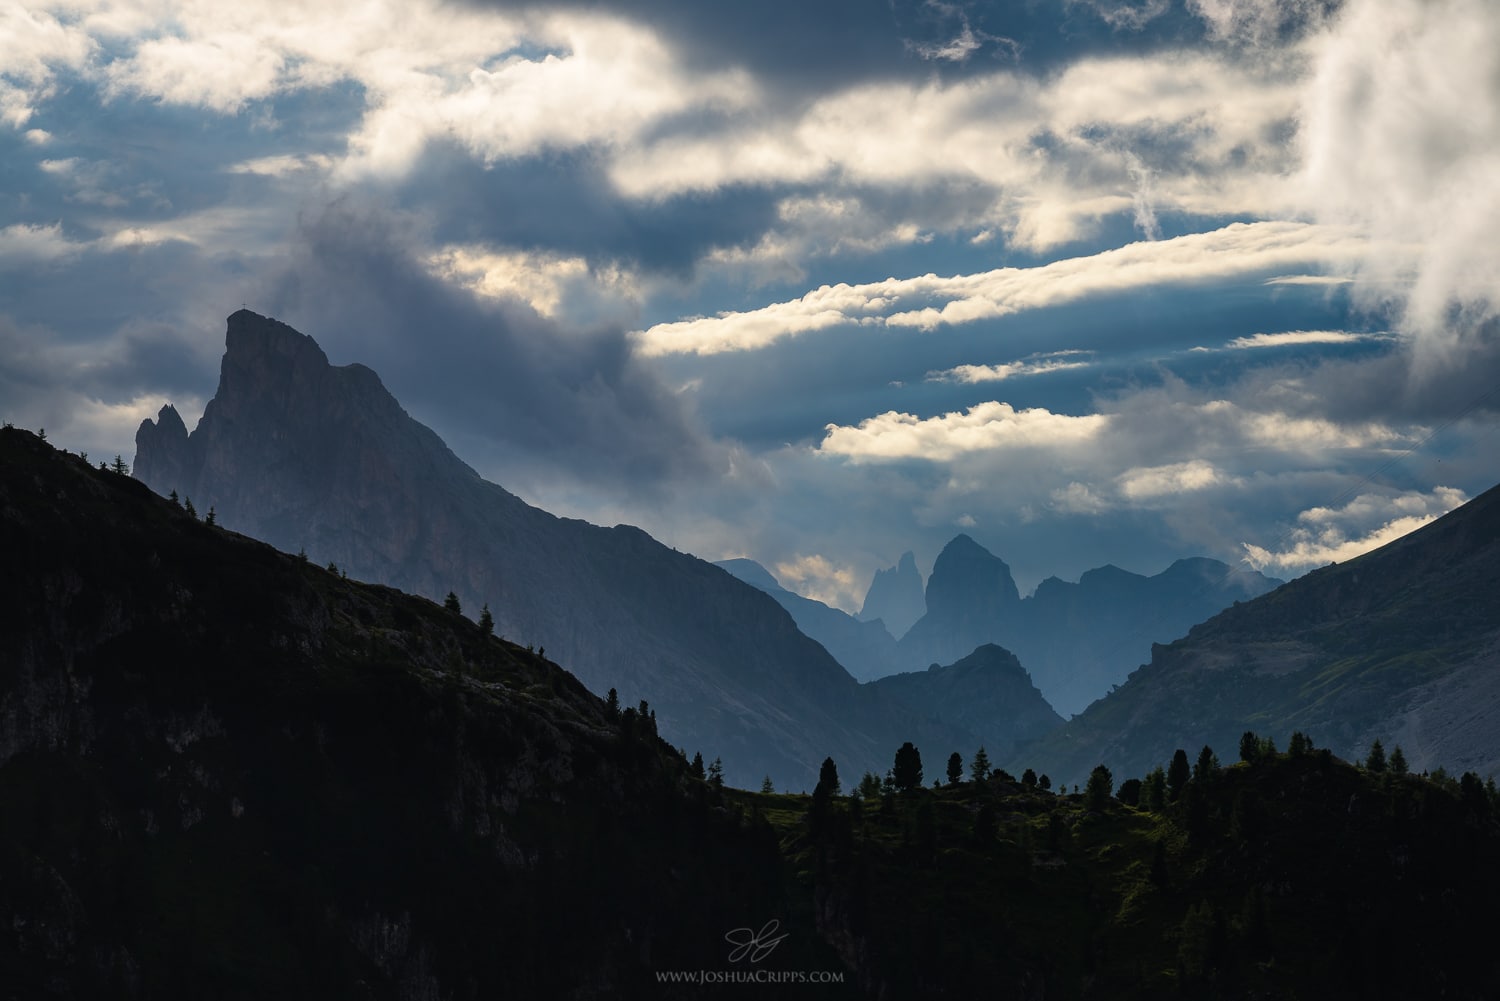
{"x":751,"y":573}
{"x":895,"y":596}
{"x":253,"y":336}
{"x":966,"y":573}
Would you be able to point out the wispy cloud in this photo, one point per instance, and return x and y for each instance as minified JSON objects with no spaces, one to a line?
{"x":1052,"y":361}
{"x":930,"y":301}
{"x":1291,"y":337}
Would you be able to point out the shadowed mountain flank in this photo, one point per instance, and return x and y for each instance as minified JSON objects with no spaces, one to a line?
{"x":322,"y":459}
{"x":1401,"y":645}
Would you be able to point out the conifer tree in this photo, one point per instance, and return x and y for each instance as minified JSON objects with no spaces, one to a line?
{"x":487,"y":621}
{"x":716,"y":774}
{"x":766,"y":785}
{"x":1100,"y":787}
{"x":211,"y":518}
{"x":612,"y":704}
{"x":1397,"y":763}
{"x":1177,"y":775}
{"x":955,"y":768}
{"x":979,"y":768}
{"x":173,"y":498}
{"x":119,"y":466}
{"x":1207,"y":765}
{"x":1028,"y":779}
{"x":908,"y":768}
{"x":1044,"y":783}
{"x":697,"y":766}
{"x":1154,"y":789}
{"x":187,"y":505}
{"x":828,"y":779}
{"x":1249,"y":746}
{"x":1376,"y":761}
{"x":451,"y":603}
{"x":869,"y":786}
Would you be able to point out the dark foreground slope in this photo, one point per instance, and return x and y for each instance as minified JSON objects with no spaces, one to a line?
{"x":228,"y":773}
{"x":309,"y":456}
{"x":1401,"y":645}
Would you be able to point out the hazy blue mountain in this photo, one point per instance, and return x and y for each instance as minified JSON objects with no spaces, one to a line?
{"x":1077,"y":640}
{"x":865,"y":649}
{"x":322,"y":459}
{"x":971,"y":600}
{"x":895,"y":597}
{"x":988,"y":694}
{"x":1401,"y":645}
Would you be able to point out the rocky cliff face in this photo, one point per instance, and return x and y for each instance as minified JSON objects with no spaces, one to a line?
{"x":1401,"y":645}
{"x":895,"y":597}
{"x":226,"y":772}
{"x":323,"y":459}
{"x":971,"y":600}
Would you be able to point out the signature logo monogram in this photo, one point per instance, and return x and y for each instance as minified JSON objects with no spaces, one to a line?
{"x":756,"y":945}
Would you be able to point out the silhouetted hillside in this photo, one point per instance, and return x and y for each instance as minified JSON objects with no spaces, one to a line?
{"x":865,"y":649}
{"x":318,"y":458}
{"x":1400,"y":645}
{"x":229,"y":773}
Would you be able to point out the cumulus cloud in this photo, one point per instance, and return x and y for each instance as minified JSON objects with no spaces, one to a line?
{"x":931,"y":301}
{"x":1398,"y":139}
{"x":817,"y":577}
{"x":555,"y":285}
{"x":984,"y":427}
{"x":1169,"y":481}
{"x":34,"y":46}
{"x":23,"y":242}
{"x":1325,"y":535}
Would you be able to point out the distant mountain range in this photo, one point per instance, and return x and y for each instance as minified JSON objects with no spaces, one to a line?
{"x":1076,"y":640}
{"x":1401,"y":645}
{"x":865,"y":649}
{"x":321,"y":459}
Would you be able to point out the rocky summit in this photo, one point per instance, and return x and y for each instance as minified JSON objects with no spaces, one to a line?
{"x":321,"y":459}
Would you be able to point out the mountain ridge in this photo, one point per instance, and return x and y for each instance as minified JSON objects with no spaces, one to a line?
{"x":322,"y":459}
{"x":1400,"y":645}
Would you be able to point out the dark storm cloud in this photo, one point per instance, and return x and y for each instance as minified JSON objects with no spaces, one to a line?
{"x":568,"y":401}
{"x":564,"y":203}
{"x":798,"y":48}
{"x":1398,"y":384}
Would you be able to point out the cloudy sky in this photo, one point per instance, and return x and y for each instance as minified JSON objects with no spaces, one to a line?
{"x":815,"y":283}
